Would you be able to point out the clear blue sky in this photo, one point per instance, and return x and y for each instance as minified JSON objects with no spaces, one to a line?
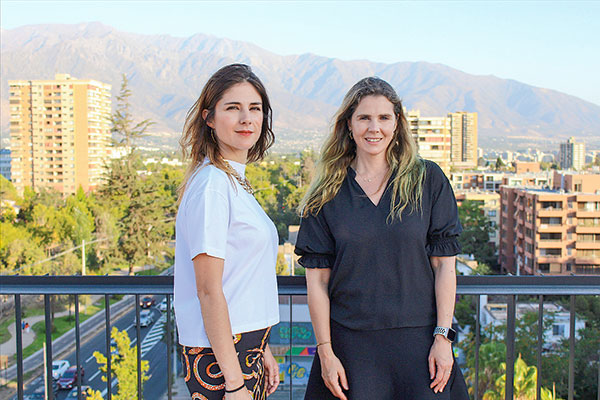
{"x":550,"y":44}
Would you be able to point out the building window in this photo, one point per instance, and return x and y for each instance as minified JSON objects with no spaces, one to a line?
{"x":558,"y":330}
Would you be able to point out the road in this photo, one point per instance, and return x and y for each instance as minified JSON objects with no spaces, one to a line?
{"x":153,"y":349}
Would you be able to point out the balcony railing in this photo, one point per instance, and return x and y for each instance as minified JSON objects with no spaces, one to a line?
{"x":289,"y":287}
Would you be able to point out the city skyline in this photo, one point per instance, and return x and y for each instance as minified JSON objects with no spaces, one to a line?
{"x":531,"y":42}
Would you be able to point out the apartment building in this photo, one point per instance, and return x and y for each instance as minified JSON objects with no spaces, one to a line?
{"x":547,"y":231}
{"x":490,"y":204}
{"x":432,"y":135}
{"x":480,"y":180}
{"x":463,"y":139}
{"x":572,"y":154}
{"x":60,"y":133}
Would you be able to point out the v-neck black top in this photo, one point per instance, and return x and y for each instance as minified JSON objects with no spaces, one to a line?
{"x":381,"y":276}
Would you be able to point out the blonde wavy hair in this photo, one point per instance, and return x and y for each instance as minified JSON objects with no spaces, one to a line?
{"x":199,"y":141}
{"x":339,"y":150}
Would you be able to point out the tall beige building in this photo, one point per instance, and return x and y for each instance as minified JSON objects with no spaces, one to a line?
{"x":60,"y":133}
{"x":572,"y":154}
{"x":463,"y":128}
{"x":432,"y":135}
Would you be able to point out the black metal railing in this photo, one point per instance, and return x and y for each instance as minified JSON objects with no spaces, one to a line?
{"x":509,"y":286}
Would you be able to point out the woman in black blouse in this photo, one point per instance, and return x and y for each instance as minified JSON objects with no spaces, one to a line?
{"x":378,"y":239}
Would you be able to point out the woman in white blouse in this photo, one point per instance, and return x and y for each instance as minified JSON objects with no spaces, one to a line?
{"x":225,"y":285}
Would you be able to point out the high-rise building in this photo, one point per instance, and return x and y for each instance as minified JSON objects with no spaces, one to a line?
{"x":60,"y":133}
{"x":555,"y":232}
{"x":463,"y":128}
{"x":572,"y":154}
{"x":432,"y":135}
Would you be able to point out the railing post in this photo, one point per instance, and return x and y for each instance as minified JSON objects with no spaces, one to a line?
{"x":139,"y":346}
{"x":539,"y":347}
{"x":108,"y":352}
{"x":291,"y":348}
{"x":572,"y":348}
{"x":169,"y":349}
{"x":477,"y":344}
{"x":48,"y":325}
{"x":19,"y":345}
{"x":77,"y":347}
{"x":510,"y":348}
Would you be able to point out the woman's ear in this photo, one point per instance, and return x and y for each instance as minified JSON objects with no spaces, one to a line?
{"x":204,"y":116}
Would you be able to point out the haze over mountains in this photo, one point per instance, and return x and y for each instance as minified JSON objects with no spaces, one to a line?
{"x":167,"y":73}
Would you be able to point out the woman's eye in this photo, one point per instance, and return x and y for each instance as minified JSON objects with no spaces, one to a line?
{"x":231,"y":108}
{"x":255,"y":108}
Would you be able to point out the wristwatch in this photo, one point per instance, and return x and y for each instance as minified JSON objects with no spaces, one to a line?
{"x":448,"y":333}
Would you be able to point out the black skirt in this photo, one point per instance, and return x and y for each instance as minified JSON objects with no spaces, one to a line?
{"x":387,"y":364}
{"x":204,"y":378}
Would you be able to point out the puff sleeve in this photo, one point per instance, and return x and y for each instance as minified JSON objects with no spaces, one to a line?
{"x":315,"y":244}
{"x":444,"y":225}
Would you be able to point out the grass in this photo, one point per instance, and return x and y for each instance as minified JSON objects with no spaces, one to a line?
{"x":4,"y":335}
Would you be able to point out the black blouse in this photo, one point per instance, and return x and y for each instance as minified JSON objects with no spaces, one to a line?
{"x":381,"y":276}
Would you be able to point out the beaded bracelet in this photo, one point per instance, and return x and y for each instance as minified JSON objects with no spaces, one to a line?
{"x":237,"y":389}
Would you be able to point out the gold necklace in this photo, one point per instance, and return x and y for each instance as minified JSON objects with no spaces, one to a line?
{"x":242,"y":181}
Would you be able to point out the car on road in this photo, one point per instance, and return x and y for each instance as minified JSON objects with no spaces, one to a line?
{"x":69,"y":378}
{"x":147,"y":302}
{"x":163,"y":305}
{"x":59,"y":367}
{"x":146,"y":318}
{"x":84,"y":392}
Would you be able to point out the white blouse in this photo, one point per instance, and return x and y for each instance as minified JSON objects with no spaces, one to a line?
{"x":221,"y":219}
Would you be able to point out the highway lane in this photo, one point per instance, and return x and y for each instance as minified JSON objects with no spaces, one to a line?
{"x":153,"y":350}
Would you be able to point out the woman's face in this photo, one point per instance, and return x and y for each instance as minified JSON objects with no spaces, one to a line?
{"x":372,"y":125}
{"x":237,"y":121}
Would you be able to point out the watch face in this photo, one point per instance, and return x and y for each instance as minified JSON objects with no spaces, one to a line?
{"x":451,"y":335}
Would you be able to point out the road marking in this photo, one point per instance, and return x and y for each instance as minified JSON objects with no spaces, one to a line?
{"x":114,"y":382}
{"x":91,"y":378}
{"x":154,"y":336}
{"x":90,"y":359}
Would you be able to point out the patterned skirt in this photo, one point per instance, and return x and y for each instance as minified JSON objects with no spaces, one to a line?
{"x":204,"y":378}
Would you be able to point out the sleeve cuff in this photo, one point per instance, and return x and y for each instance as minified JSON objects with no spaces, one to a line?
{"x":443,"y":247}
{"x":316,"y":261}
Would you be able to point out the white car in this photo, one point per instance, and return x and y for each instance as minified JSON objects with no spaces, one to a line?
{"x":163,"y":305}
{"x":145,"y":318}
{"x":59,"y":367}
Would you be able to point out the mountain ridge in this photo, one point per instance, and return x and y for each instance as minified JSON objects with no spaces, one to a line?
{"x":167,"y":73}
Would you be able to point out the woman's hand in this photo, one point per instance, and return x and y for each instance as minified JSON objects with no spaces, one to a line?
{"x":271,"y":371}
{"x":440,"y":363}
{"x":333,"y":372}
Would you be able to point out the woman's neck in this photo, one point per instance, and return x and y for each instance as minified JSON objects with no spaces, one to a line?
{"x":370,"y":166}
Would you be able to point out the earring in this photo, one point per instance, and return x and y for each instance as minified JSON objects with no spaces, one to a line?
{"x":350,"y":134}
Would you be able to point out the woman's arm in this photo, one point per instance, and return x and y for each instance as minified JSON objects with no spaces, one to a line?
{"x":317,"y":280}
{"x":440,"y":355}
{"x":209,"y":286}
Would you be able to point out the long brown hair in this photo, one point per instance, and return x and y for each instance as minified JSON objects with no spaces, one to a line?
{"x":199,"y":141}
{"x":406,"y":168}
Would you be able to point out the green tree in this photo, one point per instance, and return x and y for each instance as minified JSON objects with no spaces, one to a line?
{"x":143,"y":210}
{"x":524,"y":387}
{"x":476,"y":232}
{"x":499,"y":164}
{"x":123,"y":366}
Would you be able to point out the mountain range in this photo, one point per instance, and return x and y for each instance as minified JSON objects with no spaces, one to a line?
{"x":166,"y":75}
